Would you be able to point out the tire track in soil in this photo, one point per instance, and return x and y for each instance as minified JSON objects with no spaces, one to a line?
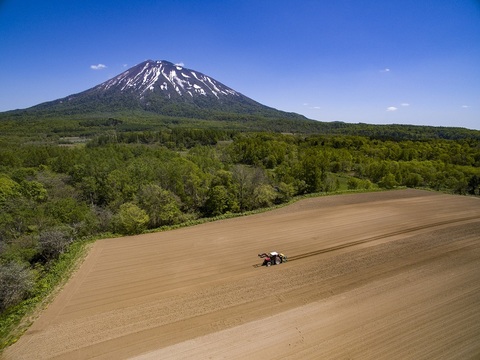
{"x":374,"y":238}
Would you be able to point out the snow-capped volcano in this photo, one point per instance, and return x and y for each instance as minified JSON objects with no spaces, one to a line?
{"x":166,"y":78}
{"x":164,"y":88}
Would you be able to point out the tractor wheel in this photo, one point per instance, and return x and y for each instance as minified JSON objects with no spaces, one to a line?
{"x":268,"y":263}
{"x":278,"y":260}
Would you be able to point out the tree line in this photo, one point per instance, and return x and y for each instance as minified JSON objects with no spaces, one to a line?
{"x":126,"y":183}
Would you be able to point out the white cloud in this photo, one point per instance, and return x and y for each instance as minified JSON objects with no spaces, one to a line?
{"x":405,"y":104}
{"x":98,"y":67}
{"x":392,"y":108}
{"x":385,"y":70}
{"x":181,"y":64}
{"x":465,"y":106}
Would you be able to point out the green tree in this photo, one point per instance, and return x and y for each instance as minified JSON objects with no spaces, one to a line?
{"x":222,"y":194}
{"x":131,"y":219}
{"x":413,"y":180}
{"x":388,"y":181}
{"x":161,"y":206}
{"x":312,"y":170}
{"x":22,"y":249}
{"x":331,"y":183}
{"x":34,"y":190}
{"x":284,"y":192}
{"x":353,"y":183}
{"x":473,"y":186}
{"x":68,"y":211}
{"x":186,"y":180}
{"x":8,"y":188}
{"x":217,"y":201}
{"x":246,"y":179}
{"x":119,"y":187}
{"x":264,"y":195}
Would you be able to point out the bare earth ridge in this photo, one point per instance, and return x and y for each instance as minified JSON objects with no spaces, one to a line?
{"x":389,"y":275}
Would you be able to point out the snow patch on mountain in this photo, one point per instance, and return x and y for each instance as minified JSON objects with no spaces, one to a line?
{"x":166,"y":77}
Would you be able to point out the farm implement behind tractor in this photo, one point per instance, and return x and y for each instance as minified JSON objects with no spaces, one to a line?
{"x":272,"y":258}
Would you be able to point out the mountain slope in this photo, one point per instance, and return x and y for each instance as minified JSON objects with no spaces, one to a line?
{"x":164,"y":88}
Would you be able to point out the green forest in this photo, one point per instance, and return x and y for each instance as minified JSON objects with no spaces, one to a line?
{"x":56,"y":195}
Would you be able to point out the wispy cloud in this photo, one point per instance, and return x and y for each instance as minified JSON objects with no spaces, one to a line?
{"x":311,"y":106}
{"x":465,"y":106}
{"x":386,"y":70}
{"x":98,"y":67}
{"x":395,"y":108}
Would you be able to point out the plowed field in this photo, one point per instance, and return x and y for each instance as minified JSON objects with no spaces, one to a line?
{"x":388,"y":275}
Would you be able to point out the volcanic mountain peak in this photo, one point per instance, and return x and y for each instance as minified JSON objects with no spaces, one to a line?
{"x":160,"y":87}
{"x":167,"y":78}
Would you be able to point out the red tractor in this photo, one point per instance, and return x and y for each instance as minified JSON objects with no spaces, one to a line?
{"x":272,"y":258}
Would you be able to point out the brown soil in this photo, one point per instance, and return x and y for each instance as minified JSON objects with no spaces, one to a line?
{"x":390,"y":275}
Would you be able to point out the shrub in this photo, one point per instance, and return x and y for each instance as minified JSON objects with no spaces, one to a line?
{"x":54,"y":242}
{"x":131,"y":219}
{"x":16,"y":282}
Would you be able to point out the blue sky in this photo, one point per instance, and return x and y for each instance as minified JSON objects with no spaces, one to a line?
{"x":371,"y":61}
